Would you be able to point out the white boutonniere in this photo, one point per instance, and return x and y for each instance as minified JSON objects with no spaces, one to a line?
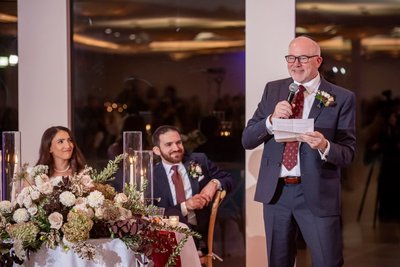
{"x":325,"y":99}
{"x":195,"y":171}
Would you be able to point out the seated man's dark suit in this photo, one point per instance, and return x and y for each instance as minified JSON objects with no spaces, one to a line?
{"x":210,"y":171}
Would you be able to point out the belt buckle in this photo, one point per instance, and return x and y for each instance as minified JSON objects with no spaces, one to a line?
{"x":292,"y":180}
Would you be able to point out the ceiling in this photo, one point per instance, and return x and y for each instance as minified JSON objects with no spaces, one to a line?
{"x":183,"y":28}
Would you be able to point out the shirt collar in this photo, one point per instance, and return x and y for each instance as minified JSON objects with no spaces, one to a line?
{"x":168,"y":166}
{"x":312,"y":85}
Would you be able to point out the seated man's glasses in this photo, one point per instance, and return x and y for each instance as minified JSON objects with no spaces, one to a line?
{"x":301,"y":59}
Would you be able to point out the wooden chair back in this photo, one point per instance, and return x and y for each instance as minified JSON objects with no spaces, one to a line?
{"x":207,"y":259}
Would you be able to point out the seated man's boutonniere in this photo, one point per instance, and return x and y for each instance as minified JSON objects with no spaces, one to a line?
{"x":325,"y":99}
{"x":195,"y":171}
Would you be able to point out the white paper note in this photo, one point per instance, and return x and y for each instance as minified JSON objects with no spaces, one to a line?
{"x":287,"y":130}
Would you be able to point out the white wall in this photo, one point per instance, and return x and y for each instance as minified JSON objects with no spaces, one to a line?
{"x":270,"y":25}
{"x":43,"y":70}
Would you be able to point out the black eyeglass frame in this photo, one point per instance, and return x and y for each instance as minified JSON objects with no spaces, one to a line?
{"x":301,"y":59}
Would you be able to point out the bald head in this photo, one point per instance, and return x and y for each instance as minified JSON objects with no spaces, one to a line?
{"x":307,"y":43}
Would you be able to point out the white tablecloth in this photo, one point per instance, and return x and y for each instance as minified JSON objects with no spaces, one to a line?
{"x":110,"y":252}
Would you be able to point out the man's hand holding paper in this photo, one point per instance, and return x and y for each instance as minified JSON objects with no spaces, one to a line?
{"x":287,"y":130}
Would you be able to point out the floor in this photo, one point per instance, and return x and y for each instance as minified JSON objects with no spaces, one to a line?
{"x":366,"y":244}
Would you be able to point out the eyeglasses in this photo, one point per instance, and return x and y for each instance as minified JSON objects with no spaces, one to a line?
{"x":301,"y":59}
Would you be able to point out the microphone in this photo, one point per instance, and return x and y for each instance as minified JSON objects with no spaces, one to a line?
{"x":292,"y":91}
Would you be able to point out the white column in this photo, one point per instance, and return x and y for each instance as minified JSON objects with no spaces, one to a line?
{"x":270,"y":25}
{"x":43,"y":71}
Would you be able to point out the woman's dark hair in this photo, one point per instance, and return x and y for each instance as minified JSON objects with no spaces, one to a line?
{"x":77,"y":160}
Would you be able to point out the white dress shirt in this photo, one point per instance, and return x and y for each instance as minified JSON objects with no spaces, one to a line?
{"x":186,"y":186}
{"x":309,"y":97}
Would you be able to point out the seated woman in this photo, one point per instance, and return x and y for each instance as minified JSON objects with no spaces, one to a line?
{"x":60,"y":153}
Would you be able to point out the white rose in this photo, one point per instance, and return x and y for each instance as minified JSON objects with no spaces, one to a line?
{"x":198,"y":170}
{"x":27,"y":201}
{"x":32,"y":209}
{"x":99,"y":213}
{"x":83,"y":208}
{"x":86,"y":182}
{"x":124,"y":214}
{"x":41,"y":179}
{"x":90,"y":213}
{"x":35,"y":194}
{"x":21,"y":215}
{"x":120,"y":198}
{"x":56,"y":180}
{"x":20,"y":199}
{"x":25,"y":191}
{"x":56,"y":220}
{"x":81,"y":201}
{"x":67,"y":198}
{"x":5,"y":206}
{"x":46,"y":188}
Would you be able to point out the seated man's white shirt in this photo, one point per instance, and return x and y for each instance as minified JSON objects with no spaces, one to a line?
{"x":187,"y":187}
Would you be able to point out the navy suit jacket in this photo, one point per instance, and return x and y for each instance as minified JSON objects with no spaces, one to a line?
{"x":210,"y":171}
{"x":321,"y":179}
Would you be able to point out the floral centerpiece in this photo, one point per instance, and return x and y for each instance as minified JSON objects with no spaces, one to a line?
{"x":68,"y":210}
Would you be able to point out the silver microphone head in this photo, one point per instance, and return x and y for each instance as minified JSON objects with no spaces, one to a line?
{"x":293,"y":87}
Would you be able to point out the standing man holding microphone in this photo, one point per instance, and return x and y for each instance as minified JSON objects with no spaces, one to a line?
{"x":299,"y":182}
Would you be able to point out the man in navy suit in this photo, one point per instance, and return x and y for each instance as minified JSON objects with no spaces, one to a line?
{"x":308,"y":195}
{"x":200,"y":179}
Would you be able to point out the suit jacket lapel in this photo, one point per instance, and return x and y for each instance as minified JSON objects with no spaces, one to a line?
{"x":315,"y":110}
{"x":193,"y":182}
{"x":164,"y":183}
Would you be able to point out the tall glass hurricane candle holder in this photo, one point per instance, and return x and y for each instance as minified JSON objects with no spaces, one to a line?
{"x":132,"y":142}
{"x":1,"y":173}
{"x":144,"y":175}
{"x":11,"y":158}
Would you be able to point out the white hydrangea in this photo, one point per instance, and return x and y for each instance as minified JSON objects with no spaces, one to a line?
{"x":21,"y":215}
{"x":95,"y":199}
{"x":67,"y":198}
{"x":5,"y":206}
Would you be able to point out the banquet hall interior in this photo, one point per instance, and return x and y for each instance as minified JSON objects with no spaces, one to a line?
{"x":183,"y":63}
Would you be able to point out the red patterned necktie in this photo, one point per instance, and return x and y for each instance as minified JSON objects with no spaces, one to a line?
{"x":289,"y":159}
{"x":177,"y":180}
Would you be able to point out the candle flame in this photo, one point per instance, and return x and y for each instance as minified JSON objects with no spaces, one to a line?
{"x":15,"y":159}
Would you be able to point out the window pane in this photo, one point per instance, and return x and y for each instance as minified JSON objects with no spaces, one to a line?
{"x":8,"y":67}
{"x":164,"y":62}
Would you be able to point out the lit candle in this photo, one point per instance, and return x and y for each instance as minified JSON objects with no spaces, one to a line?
{"x":173,"y":221}
{"x":141,"y":184}
{"x":131,"y":171}
{"x":14,"y":188}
